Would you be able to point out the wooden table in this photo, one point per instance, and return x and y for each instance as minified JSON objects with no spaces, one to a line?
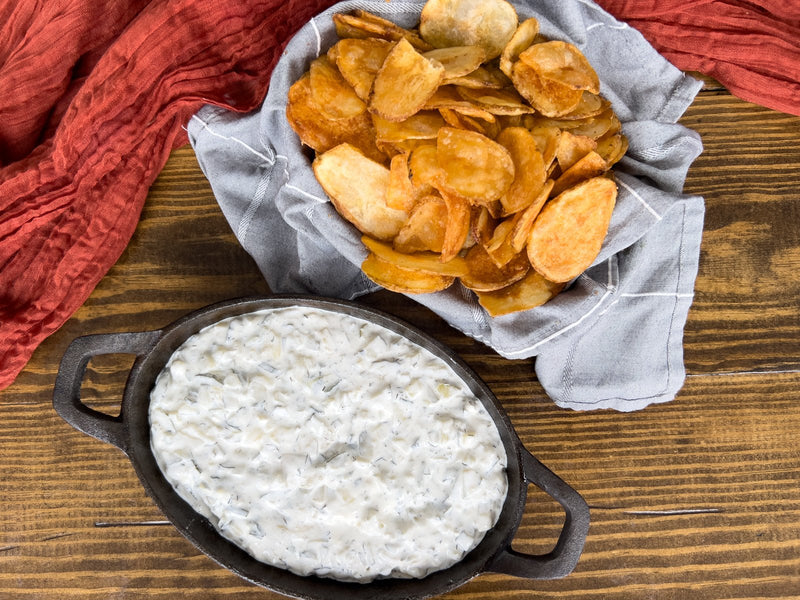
{"x":696,"y":498}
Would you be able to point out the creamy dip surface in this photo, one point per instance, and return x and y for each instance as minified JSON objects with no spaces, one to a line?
{"x":324,"y":444}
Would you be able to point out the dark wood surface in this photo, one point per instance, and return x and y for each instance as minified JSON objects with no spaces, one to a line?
{"x":696,"y":498}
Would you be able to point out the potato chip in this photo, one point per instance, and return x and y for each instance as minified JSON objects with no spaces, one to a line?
{"x":321,"y":133}
{"x":484,"y":275}
{"x":425,"y":228}
{"x":357,"y":187}
{"x":403,"y":281}
{"x":483,"y":225}
{"x":458,"y":221}
{"x":367,"y":25}
{"x":523,"y":221}
{"x":400,"y":192}
{"x":404,"y":83}
{"x":359,"y":60}
{"x":395,"y":32}
{"x":499,"y":247}
{"x":457,"y":61}
{"x":529,"y":170}
{"x":567,"y":236}
{"x":529,"y":292}
{"x":523,"y":37}
{"x":485,"y":23}
{"x":546,"y":137}
{"x":548,"y":96}
{"x":571,"y":148}
{"x":447,"y":97}
{"x":499,"y":102}
{"x":390,"y":149}
{"x":427,"y":262}
{"x":485,"y":77}
{"x":475,"y":166}
{"x":613,"y":148}
{"x":591,"y":165}
{"x":590,"y":105}
{"x":423,"y":125}
{"x":562,"y":62}
{"x":335,"y":97}
{"x":426,"y":174}
{"x":454,"y":118}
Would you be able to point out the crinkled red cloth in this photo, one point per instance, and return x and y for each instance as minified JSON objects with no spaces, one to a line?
{"x":94,"y":95}
{"x":752,"y":48}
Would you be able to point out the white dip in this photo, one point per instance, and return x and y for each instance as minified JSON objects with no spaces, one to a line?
{"x":327,"y":445}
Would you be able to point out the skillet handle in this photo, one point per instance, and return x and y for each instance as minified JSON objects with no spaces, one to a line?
{"x":561,"y":560}
{"x":67,"y":390}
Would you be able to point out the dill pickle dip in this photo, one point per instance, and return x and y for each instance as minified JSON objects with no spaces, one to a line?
{"x":325,"y":444}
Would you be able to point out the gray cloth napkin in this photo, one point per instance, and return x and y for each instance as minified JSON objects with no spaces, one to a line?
{"x":614,"y":338}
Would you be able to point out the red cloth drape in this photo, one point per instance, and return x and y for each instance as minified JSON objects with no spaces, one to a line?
{"x":94,"y":96}
{"x":751,"y":47}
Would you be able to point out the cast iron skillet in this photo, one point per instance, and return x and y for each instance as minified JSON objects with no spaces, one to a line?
{"x":130,"y":432}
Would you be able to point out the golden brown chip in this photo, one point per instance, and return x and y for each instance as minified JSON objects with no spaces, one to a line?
{"x":529,"y":292}
{"x":523,"y":37}
{"x":427,"y":262}
{"x":590,"y":105}
{"x":426,"y":174}
{"x":458,"y":222}
{"x":499,"y":247}
{"x":423,"y":125}
{"x":455,"y":118}
{"x":486,"y":77}
{"x":499,"y":102}
{"x":400,"y":193}
{"x":404,"y":281}
{"x":447,"y":97}
{"x":571,"y":148}
{"x":529,"y":170}
{"x":485,"y":23}
{"x":562,"y":62}
{"x":404,"y":83}
{"x":395,"y":32}
{"x":548,"y":96}
{"x":591,"y":165}
{"x":613,"y":148}
{"x":484,"y":275}
{"x":321,"y":133}
{"x":425,"y":229}
{"x":335,"y":97}
{"x":546,"y":137}
{"x":359,"y":60}
{"x":523,"y":221}
{"x":357,"y":187}
{"x":367,"y":25}
{"x":483,"y":224}
{"x":475,"y":166}
{"x":457,"y":61}
{"x":570,"y":230}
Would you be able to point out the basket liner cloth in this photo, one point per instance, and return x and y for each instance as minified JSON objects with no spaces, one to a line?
{"x":614,"y":338}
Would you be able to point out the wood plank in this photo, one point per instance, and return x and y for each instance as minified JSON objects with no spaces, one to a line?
{"x":745,"y":314}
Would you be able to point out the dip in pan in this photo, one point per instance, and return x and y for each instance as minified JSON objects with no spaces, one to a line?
{"x":328,"y":445}
{"x":193,"y":471}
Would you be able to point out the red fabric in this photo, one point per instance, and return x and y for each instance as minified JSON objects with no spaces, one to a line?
{"x":94,"y":96}
{"x":752,"y":48}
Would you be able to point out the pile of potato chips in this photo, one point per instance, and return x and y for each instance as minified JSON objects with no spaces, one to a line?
{"x":470,"y":148}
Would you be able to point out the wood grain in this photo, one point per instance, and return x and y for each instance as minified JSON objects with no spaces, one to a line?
{"x":696,"y":498}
